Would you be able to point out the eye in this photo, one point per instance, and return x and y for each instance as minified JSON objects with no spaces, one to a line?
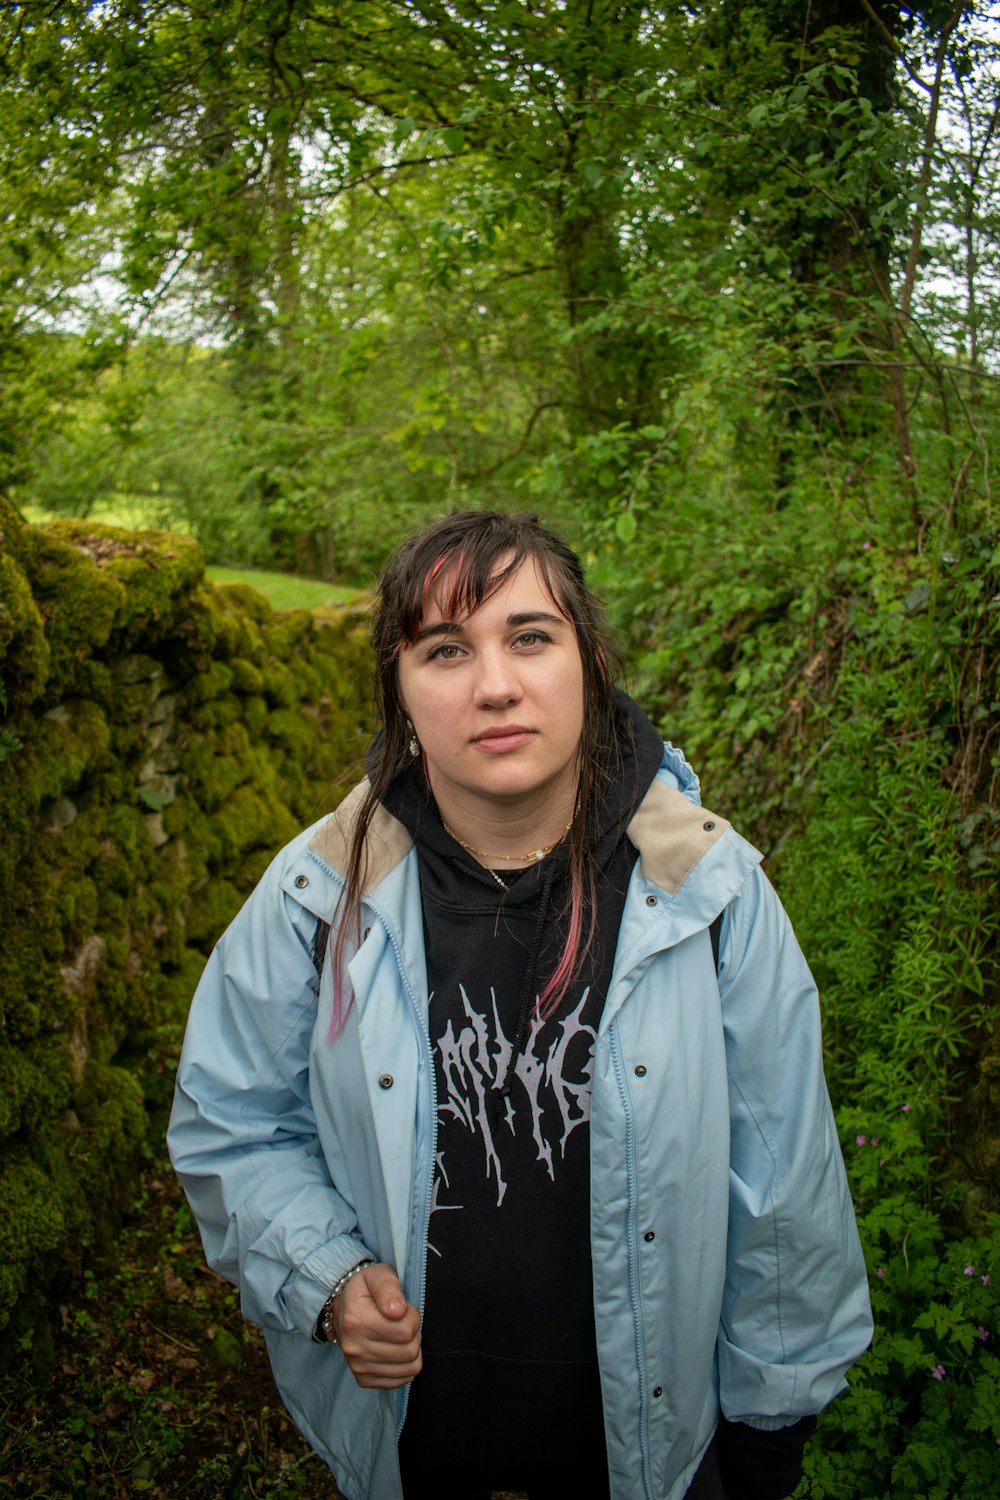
{"x":530,"y":638}
{"x":447,"y":651}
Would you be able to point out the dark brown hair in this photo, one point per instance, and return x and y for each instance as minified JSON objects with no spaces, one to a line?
{"x":474,"y":553}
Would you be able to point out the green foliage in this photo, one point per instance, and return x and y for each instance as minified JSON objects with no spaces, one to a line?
{"x":922,"y":1416}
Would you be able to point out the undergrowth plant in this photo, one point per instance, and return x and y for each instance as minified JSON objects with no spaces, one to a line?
{"x":922,"y":1415}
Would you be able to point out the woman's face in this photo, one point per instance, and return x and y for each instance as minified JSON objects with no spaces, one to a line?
{"x":496,"y":699}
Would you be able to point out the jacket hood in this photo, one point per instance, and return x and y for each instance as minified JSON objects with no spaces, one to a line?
{"x":670,"y":829}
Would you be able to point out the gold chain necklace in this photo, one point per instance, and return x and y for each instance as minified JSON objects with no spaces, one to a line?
{"x":531,"y":858}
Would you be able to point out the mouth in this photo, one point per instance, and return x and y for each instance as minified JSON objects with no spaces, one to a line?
{"x":503,"y":737}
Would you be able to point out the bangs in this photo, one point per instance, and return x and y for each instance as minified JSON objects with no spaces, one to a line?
{"x":463,"y":577}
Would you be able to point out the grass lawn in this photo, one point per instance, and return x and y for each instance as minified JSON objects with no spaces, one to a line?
{"x":286,"y":591}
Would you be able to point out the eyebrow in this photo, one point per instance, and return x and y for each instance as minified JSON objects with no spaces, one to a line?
{"x":457,"y":627}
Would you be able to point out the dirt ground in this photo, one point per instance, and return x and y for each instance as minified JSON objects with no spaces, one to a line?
{"x":157,"y":1387}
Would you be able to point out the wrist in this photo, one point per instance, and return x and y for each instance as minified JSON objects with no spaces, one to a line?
{"x":325,"y":1332}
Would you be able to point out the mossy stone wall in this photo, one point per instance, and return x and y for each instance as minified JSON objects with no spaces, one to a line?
{"x":159,"y":740}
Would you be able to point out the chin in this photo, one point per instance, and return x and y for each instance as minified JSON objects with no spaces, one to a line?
{"x":508,"y":787}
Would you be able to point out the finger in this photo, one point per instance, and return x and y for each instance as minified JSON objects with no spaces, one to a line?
{"x":383,"y":1285}
{"x":380,"y":1377}
{"x":362,"y":1327}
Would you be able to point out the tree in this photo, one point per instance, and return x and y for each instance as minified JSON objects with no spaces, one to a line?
{"x":58,"y":170}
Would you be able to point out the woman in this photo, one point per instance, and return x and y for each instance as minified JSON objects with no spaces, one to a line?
{"x":529,"y":1174}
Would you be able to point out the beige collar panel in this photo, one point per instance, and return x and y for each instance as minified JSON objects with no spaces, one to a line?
{"x":670,"y":833}
{"x":388,"y":841}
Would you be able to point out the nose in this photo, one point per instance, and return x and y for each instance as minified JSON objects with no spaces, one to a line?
{"x":497,"y":683}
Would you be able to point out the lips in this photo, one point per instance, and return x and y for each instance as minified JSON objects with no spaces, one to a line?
{"x":504,"y":737}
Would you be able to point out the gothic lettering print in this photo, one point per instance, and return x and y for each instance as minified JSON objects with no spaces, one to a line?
{"x":549,"y":1098}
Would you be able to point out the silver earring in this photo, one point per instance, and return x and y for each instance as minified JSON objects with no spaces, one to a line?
{"x":414,"y":742}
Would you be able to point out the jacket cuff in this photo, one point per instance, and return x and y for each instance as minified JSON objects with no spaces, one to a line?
{"x":761,"y":1463}
{"x":307,"y":1293}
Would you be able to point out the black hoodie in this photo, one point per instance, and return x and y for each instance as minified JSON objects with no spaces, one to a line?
{"x":508,"y":1334}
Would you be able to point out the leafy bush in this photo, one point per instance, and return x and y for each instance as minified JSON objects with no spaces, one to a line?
{"x":922,"y":1416}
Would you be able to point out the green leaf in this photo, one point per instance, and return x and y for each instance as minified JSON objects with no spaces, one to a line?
{"x":453,"y":138}
{"x":626,"y":526}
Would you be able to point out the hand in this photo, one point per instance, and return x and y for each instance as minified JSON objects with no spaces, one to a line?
{"x":377,"y":1329}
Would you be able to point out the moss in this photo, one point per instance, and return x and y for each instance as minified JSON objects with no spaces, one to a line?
{"x":113,"y":1118}
{"x":218,"y":624}
{"x":158,"y":688}
{"x":247,"y":677}
{"x":77,"y":603}
{"x":38,"y":1084}
{"x":288,"y":728}
{"x":214,"y":681}
{"x":289,"y":631}
{"x":279,"y":683}
{"x":250,"y":601}
{"x":12,"y":529}
{"x":156,"y":570}
{"x":24,"y":651}
{"x":215,"y":765}
{"x":251,"y":818}
{"x":211,"y":909}
{"x":31,"y":1226}
{"x":224,"y":1349}
{"x":255,"y":716}
{"x":72,"y":739}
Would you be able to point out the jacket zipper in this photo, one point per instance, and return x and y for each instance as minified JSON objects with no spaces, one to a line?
{"x":633,"y":1259}
{"x":429,"y":1176}
{"x":428,"y":1194}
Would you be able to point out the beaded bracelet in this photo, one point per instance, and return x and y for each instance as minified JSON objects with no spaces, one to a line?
{"x":324,"y":1332}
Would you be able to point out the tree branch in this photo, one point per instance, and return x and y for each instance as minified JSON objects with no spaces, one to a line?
{"x":894,"y":46}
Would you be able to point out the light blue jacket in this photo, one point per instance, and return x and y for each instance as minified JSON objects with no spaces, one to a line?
{"x":727,"y":1268}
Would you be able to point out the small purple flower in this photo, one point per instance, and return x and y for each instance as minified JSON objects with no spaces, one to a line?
{"x":880,"y":1272}
{"x":985,"y":1280}
{"x":881,"y":1161}
{"x":970,"y":1271}
{"x":875,"y":1140}
{"x":983,"y":1333}
{"x":907,"y":1108}
{"x":938,"y":1372}
{"x":866,"y":546}
{"x":860,"y":1140}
